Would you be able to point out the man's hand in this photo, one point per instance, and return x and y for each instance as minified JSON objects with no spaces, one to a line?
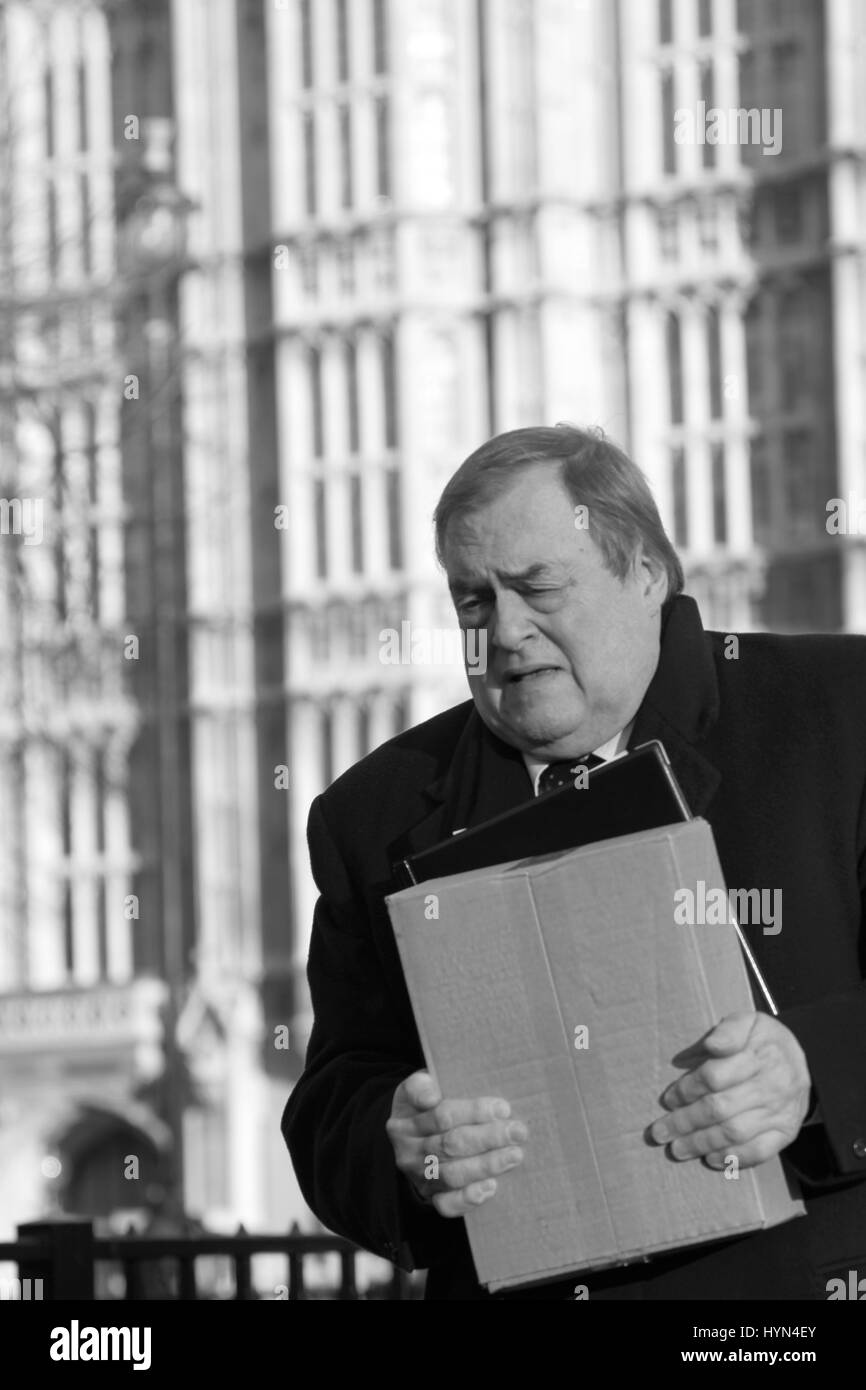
{"x":747,"y":1094}
{"x":451,"y":1150}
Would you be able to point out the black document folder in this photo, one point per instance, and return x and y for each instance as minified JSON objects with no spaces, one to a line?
{"x":636,"y":791}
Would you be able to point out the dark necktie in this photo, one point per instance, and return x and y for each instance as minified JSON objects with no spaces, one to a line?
{"x":562,"y":774}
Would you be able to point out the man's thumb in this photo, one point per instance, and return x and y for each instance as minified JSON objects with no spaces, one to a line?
{"x":729,"y":1036}
{"x":421,"y":1090}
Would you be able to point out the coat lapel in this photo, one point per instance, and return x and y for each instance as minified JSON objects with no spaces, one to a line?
{"x":485,"y":778}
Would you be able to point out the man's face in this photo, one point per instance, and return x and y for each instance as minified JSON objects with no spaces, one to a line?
{"x":571,"y":648}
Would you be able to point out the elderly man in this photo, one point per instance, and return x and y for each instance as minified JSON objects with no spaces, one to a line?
{"x":591,"y":647}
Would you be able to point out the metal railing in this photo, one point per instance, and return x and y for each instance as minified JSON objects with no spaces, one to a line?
{"x":62,"y":1259}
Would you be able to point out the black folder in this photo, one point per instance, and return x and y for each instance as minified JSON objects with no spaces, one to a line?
{"x":636,"y":791}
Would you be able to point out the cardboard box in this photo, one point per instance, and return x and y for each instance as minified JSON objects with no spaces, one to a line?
{"x":505,"y":967}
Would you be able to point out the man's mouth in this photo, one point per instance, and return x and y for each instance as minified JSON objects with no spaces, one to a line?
{"x":530,"y":673}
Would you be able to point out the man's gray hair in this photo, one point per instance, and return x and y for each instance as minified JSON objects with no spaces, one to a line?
{"x":621,"y":511}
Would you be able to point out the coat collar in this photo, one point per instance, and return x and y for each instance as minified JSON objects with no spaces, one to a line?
{"x":681,"y":704}
{"x":487,"y":776}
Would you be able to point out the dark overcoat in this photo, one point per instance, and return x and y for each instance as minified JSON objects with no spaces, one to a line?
{"x":767,"y":738}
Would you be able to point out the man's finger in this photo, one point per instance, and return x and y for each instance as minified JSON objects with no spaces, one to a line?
{"x":731,"y":1035}
{"x":465,"y":1172}
{"x":466,"y":1200}
{"x":448,"y":1114}
{"x":715,"y":1074}
{"x":715,"y":1108}
{"x":466,"y":1141}
{"x":740,"y":1130}
{"x":728,"y":1036}
{"x":765,"y":1145}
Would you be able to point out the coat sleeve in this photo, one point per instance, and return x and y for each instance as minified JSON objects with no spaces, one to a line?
{"x":359,"y":1051}
{"x":832,"y":1034}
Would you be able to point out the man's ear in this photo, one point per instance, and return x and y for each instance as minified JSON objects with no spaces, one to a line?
{"x":653,"y":579}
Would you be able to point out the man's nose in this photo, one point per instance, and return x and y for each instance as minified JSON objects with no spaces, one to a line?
{"x":511,"y":622}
